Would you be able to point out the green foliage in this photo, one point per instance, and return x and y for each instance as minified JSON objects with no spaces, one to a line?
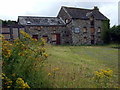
{"x":110,"y":35}
{"x":105,"y":33}
{"x":115,"y":34}
{"x":8,"y":22}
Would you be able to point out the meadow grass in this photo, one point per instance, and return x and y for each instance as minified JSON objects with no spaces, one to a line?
{"x":76,"y":65}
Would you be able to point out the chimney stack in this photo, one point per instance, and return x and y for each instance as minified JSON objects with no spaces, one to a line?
{"x":96,"y":8}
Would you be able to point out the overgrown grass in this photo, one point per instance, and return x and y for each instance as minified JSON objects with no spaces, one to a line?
{"x":76,"y":65}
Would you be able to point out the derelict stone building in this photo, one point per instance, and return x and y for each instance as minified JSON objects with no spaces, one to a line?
{"x":73,"y":26}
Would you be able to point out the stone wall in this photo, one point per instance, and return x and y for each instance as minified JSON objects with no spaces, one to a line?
{"x":48,"y":31}
{"x":82,"y":37}
{"x":98,"y":40}
{"x":11,"y":33}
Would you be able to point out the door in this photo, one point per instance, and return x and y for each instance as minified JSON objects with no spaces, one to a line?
{"x":35,"y":37}
{"x":92,"y":39}
{"x":57,"y":39}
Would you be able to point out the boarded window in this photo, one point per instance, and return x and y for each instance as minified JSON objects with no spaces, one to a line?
{"x":84,"y":29}
{"x":53,"y":37}
{"x":6,"y":36}
{"x":92,"y":30}
{"x":15,"y":33}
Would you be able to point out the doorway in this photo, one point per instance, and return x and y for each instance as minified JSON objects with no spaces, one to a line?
{"x":56,"y":39}
{"x":92,"y":39}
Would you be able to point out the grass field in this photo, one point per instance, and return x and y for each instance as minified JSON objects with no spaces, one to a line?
{"x":74,"y":66}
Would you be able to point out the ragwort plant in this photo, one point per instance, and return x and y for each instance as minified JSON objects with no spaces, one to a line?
{"x":102,"y":78}
{"x":14,"y":83}
{"x":25,"y":58}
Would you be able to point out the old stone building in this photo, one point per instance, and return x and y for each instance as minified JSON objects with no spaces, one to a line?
{"x":85,"y":25}
{"x":72,"y":26}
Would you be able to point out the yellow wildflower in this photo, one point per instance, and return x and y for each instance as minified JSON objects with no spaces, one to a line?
{"x":45,"y":55}
{"x":56,"y":69}
{"x":10,"y":82}
{"x":3,"y":74}
{"x":49,"y":74}
{"x":8,"y":86}
{"x":2,"y":77}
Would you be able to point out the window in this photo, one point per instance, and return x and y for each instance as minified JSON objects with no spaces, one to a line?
{"x":53,"y":37}
{"x":77,"y":30}
{"x":99,"y":29}
{"x":92,"y":30}
{"x":84,"y":30}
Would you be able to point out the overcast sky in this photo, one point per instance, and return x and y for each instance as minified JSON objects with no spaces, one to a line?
{"x":11,"y":9}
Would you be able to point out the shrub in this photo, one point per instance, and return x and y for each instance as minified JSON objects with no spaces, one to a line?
{"x":25,"y":58}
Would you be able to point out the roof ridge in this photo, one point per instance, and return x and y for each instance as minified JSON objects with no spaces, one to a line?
{"x":37,"y":17}
{"x":78,"y":8}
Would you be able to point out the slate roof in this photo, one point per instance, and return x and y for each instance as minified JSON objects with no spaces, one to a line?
{"x":40,"y":21}
{"x":80,"y":13}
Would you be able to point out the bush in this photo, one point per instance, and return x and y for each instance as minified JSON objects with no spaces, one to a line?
{"x":25,"y":58}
